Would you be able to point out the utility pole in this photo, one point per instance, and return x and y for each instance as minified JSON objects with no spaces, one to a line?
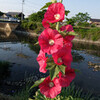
{"x":22,"y":10}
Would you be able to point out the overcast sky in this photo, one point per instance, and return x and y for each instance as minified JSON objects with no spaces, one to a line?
{"x":75,"y":6}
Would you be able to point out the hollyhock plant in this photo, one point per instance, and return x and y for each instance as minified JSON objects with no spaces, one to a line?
{"x":67,"y":28}
{"x":50,"y":88}
{"x":45,"y":23}
{"x":55,"y":13}
{"x":63,"y":56}
{"x":42,"y":61}
{"x":56,"y":43}
{"x":67,"y":40}
{"x":50,"y":41}
{"x":66,"y":79}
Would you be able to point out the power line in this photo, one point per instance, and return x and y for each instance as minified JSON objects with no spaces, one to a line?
{"x":22,"y":9}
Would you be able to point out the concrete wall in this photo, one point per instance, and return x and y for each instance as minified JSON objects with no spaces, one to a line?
{"x":8,"y":27}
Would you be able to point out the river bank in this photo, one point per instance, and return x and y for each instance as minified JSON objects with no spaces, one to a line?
{"x":76,"y":39}
{"x":86,"y":41}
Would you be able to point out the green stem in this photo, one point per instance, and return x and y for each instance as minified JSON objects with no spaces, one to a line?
{"x":57,"y":26}
{"x":61,"y":1}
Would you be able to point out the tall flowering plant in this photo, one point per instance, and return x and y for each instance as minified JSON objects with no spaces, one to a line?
{"x":56,"y":42}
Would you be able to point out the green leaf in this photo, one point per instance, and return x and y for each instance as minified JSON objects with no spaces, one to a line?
{"x":63,"y":33}
{"x":54,"y":72}
{"x":72,"y":33}
{"x":46,"y":5}
{"x":50,"y":66}
{"x":70,"y":98}
{"x":66,"y":12}
{"x":62,"y":68}
{"x":36,"y":43}
{"x":37,"y":83}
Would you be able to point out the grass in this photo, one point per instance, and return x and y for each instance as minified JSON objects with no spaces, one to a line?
{"x":88,"y":33}
{"x":70,"y":93}
{"x":22,"y":95}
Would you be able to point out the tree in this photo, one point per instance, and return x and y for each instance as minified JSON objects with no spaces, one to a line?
{"x":37,"y":16}
{"x":81,"y":17}
{"x":70,"y":21}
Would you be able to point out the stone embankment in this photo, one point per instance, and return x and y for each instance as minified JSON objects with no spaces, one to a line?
{"x":95,"y":66}
{"x":86,"y":41}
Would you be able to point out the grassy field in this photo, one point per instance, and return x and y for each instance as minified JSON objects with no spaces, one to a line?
{"x":88,"y":33}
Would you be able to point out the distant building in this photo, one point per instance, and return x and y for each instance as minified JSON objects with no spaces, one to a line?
{"x":16,"y":14}
{"x":12,"y":16}
{"x":95,"y":21}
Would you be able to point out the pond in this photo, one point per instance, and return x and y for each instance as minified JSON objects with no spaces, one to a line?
{"x":20,"y":52}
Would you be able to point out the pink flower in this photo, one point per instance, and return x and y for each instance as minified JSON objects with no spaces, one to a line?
{"x":50,"y":88}
{"x":42,"y":61}
{"x":50,"y":41}
{"x":67,"y":28}
{"x":67,"y":40}
{"x":45,"y":23}
{"x":66,"y":79}
{"x":63,"y":56}
{"x":55,"y":13}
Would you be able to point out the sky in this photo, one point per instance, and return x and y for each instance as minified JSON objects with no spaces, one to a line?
{"x":31,"y":6}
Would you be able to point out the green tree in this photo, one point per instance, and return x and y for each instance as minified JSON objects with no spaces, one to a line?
{"x":81,"y":17}
{"x":37,"y":17}
{"x":70,"y":21}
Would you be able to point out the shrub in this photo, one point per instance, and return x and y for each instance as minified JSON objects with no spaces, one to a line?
{"x":84,"y":24}
{"x":39,"y":24}
{"x":32,"y":25}
{"x":93,"y":25}
{"x":24,"y":25}
{"x":38,"y":30}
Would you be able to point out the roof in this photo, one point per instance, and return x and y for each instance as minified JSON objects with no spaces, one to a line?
{"x":95,"y":20}
{"x":13,"y":13}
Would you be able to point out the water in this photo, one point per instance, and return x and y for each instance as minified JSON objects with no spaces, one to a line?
{"x":22,"y":57}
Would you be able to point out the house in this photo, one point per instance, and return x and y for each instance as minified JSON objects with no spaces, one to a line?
{"x":18,"y":15}
{"x":95,"y":21}
{"x":6,"y":17}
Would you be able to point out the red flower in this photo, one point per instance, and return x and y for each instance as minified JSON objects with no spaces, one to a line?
{"x":50,"y":88}
{"x":67,"y":28}
{"x":67,"y":40}
{"x":42,"y":61}
{"x":55,"y":13}
{"x":66,"y":79}
{"x":63,"y":56}
{"x":45,"y":23}
{"x":50,"y":41}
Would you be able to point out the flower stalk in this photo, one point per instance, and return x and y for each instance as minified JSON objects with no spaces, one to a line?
{"x":57,"y":26}
{"x":56,"y":42}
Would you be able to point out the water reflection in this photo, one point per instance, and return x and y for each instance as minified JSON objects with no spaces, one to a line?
{"x":88,"y":79}
{"x":77,"y":57}
{"x":4,"y":70}
{"x":89,"y":48}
